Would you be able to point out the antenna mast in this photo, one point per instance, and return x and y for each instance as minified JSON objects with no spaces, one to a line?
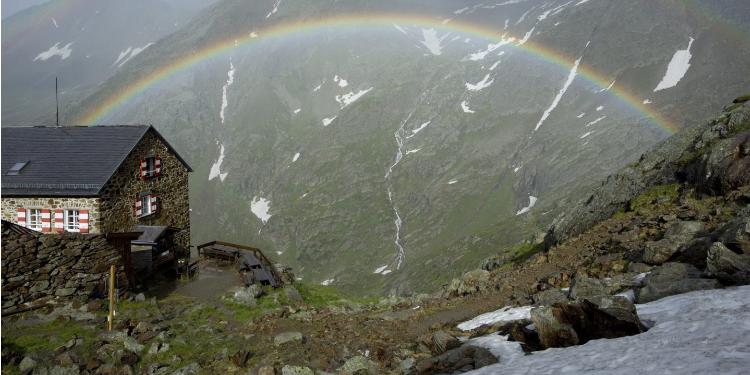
{"x":57,"y":106}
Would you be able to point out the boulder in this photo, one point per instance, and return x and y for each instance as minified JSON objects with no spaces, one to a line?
{"x":549,"y":297}
{"x":248,"y":295}
{"x":293,"y":295}
{"x":442,"y":341}
{"x":574,"y":323}
{"x":407,"y":366}
{"x":472,"y":282}
{"x":190,"y":369}
{"x":358,"y":365}
{"x":287,"y":337}
{"x":267,"y":370}
{"x":728,"y":266}
{"x":296,"y":370}
{"x":675,"y":238}
{"x":584,"y":287}
{"x":736,"y":234}
{"x":27,"y":363}
{"x":462,"y":359}
{"x":670,"y":279}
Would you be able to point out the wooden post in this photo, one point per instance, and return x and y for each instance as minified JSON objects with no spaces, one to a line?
{"x":110,"y":318}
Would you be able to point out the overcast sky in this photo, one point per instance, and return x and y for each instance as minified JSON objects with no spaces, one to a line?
{"x":11,"y":7}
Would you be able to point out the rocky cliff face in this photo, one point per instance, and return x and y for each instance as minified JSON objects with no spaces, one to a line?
{"x":713,"y":157}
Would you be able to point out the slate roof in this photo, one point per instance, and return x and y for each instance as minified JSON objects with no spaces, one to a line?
{"x":69,"y":160}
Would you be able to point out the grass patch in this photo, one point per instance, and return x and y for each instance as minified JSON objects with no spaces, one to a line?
{"x":523,"y":251}
{"x":656,"y":195}
{"x":46,"y":336}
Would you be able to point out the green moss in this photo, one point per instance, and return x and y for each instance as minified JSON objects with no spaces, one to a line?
{"x":656,"y":195}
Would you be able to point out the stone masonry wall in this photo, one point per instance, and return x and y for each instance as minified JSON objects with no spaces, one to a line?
{"x":11,"y":204}
{"x":40,"y":267}
{"x":120,"y":194}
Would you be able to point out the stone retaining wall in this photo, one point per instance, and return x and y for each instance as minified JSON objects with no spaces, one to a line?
{"x":37,"y":267}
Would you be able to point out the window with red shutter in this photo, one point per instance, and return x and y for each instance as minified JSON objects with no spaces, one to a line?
{"x":157,"y":166}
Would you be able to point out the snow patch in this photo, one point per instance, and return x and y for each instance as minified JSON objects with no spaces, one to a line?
{"x":581,"y":2}
{"x":296,"y":111}
{"x":677,"y":68}
{"x":230,"y":81}
{"x":608,"y":87}
{"x":526,"y":36}
{"x":556,"y":101}
{"x":585,"y":135}
{"x":484,"y":83}
{"x":480,"y":55}
{"x":495,"y":65}
{"x":465,"y":107}
{"x":260,"y":207}
{"x":702,"y":332}
{"x":327,"y":282}
{"x":296,"y":156}
{"x":451,"y":182}
{"x":599,"y":108}
{"x":342,"y":82}
{"x":506,"y":314}
{"x":216,"y":167}
{"x":596,"y":121}
{"x":581,"y":115}
{"x":275,"y":9}
{"x":532,"y":202}
{"x":432,"y":41}
{"x":346,"y":99}
{"x":413,"y":151}
{"x":54,"y":22}
{"x":128,"y":54}
{"x":327,"y":121}
{"x":419,"y":129}
{"x":647,"y":101}
{"x":55,"y":50}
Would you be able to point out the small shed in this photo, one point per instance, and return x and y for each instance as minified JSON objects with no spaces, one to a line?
{"x":153,"y":249}
{"x":251,"y":262}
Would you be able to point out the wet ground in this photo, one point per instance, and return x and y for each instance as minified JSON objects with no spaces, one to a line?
{"x":212,"y":280}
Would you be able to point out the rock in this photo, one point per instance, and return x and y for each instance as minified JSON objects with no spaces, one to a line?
{"x":140,"y":297}
{"x":472,"y":282}
{"x":526,"y":335}
{"x":407,"y":366}
{"x":27,"y":363}
{"x":358,"y":365}
{"x":584,"y":287}
{"x":670,"y":279}
{"x":66,"y":359}
{"x":735,"y":235}
{"x":64,"y":292}
{"x":267,"y":370}
{"x":132,"y":344}
{"x":461,"y":359}
{"x":248,"y":295}
{"x":549,"y":297}
{"x":128,"y":358}
{"x":676,"y":236}
{"x":442,"y":341}
{"x":126,"y":370}
{"x":293,"y":295}
{"x":576,"y":323}
{"x":296,"y":370}
{"x":286,"y":337}
{"x":727,"y":266}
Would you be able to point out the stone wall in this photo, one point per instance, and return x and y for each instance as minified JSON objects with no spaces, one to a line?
{"x":120,"y":194}
{"x":11,"y":204}
{"x":40,"y":267}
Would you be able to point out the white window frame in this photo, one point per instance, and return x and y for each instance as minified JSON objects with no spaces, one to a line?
{"x":145,"y":205}
{"x":30,"y":223}
{"x":73,"y":225}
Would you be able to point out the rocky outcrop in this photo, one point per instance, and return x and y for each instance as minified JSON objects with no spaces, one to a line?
{"x":671,"y":279}
{"x":727,"y":266}
{"x":463,"y":359}
{"x":575,"y":323}
{"x":714,"y":157}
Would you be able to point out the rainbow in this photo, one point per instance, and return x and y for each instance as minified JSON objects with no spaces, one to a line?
{"x":102,"y":108}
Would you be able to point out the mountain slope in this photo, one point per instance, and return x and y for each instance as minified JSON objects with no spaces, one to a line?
{"x":425,"y":139}
{"x":81,"y":42}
